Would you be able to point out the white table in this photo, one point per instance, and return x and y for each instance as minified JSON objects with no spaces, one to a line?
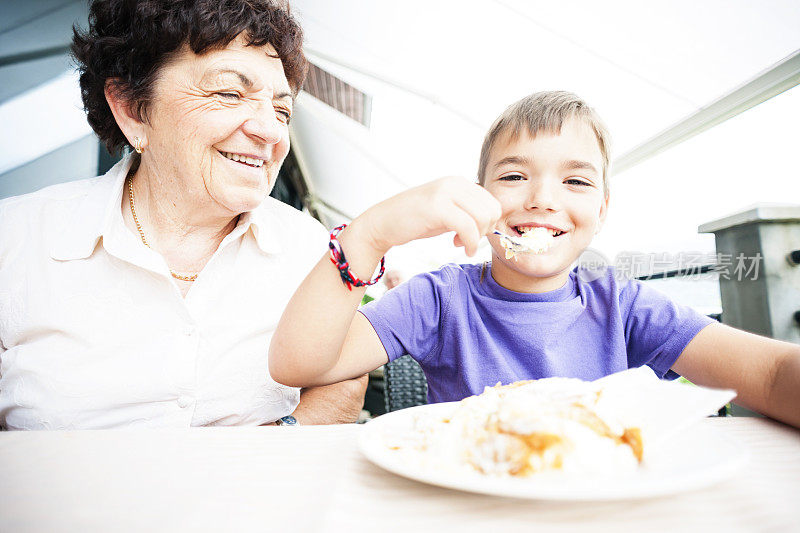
{"x":314,"y":479}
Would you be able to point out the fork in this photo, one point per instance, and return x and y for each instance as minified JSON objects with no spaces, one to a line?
{"x":510,"y":239}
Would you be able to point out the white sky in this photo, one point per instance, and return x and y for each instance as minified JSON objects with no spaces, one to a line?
{"x":658,"y":205}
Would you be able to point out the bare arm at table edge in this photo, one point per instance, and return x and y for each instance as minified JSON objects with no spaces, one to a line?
{"x":321,"y":338}
{"x":764,"y":372}
{"x":339,"y":403}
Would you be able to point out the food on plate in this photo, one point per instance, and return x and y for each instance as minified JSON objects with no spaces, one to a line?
{"x":530,"y":427}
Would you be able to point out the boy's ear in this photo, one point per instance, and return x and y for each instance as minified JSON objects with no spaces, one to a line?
{"x":603,"y":212}
{"x":124,"y":114}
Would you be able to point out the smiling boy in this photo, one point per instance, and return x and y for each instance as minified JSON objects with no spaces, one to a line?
{"x":544,"y":163}
{"x":545,"y":180}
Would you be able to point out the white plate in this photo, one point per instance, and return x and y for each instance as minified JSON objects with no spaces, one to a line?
{"x":696,"y":458}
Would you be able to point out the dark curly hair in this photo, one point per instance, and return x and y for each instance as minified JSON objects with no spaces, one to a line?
{"x":130,"y":40}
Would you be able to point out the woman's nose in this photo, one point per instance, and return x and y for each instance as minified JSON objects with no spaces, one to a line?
{"x":264,"y":126}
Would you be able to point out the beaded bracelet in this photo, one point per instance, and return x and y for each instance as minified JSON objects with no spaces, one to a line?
{"x":338,"y":259}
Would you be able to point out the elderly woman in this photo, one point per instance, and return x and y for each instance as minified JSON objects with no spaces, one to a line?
{"x":148,"y":296}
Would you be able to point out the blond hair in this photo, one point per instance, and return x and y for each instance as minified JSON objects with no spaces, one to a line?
{"x":545,"y":112}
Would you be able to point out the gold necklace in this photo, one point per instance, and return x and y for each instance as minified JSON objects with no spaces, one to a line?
{"x":190,"y":277}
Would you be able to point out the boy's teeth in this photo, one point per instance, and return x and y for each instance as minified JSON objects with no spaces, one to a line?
{"x":527,"y":229}
{"x":524,"y":230}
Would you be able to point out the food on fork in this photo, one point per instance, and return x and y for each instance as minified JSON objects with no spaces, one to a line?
{"x":533,"y":240}
{"x":529,"y":428}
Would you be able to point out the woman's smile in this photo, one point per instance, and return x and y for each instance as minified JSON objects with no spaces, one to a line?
{"x":244,"y":170}
{"x":245,"y":159}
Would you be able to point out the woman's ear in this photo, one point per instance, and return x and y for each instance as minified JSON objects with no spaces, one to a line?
{"x":124,"y":113}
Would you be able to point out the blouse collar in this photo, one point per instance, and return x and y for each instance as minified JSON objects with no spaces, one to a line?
{"x":95,"y":213}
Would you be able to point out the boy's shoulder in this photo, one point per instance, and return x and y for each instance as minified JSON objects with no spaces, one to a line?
{"x":448,"y":279}
{"x":604,"y":281}
{"x":451,"y":273}
{"x":466,"y":270}
{"x":609,"y":285}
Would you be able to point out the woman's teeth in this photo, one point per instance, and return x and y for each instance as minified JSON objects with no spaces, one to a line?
{"x":244,"y":159}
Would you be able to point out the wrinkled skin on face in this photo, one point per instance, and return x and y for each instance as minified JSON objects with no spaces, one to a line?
{"x":235,"y":100}
{"x":553,"y":180}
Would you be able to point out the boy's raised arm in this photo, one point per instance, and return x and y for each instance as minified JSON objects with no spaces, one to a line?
{"x":321,"y":338}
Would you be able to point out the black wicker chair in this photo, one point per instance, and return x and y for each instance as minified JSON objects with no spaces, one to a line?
{"x":405,"y":384}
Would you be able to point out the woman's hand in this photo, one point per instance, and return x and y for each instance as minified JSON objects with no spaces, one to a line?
{"x":447,"y":204}
{"x":339,"y":403}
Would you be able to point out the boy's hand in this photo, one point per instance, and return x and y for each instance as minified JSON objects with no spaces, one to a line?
{"x":447,"y":204}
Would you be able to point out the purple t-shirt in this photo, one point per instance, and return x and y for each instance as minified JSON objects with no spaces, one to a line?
{"x":467,"y":333}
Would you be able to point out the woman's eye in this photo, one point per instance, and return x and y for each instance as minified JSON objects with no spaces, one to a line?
{"x":229,"y":96}
{"x":283,"y":115}
{"x":512,"y":177}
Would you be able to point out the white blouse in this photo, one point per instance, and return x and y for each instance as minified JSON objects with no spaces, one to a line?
{"x":94,"y":333}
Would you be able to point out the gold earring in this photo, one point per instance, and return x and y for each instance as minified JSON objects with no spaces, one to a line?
{"x":137,"y":145}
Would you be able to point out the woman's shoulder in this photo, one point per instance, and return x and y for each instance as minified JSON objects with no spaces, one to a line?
{"x":39,"y":220}
{"x":292,"y":231}
{"x":59,"y":192}
{"x":35,"y":211}
{"x":70,"y":195}
{"x":288,"y":217}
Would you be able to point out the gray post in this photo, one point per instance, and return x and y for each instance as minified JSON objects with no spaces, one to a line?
{"x":760,"y":279}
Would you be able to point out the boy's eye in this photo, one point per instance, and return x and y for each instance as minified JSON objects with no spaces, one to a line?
{"x":512,"y":177}
{"x":577,"y":181}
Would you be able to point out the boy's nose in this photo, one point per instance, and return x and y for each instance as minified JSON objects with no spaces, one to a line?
{"x":542,"y":196}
